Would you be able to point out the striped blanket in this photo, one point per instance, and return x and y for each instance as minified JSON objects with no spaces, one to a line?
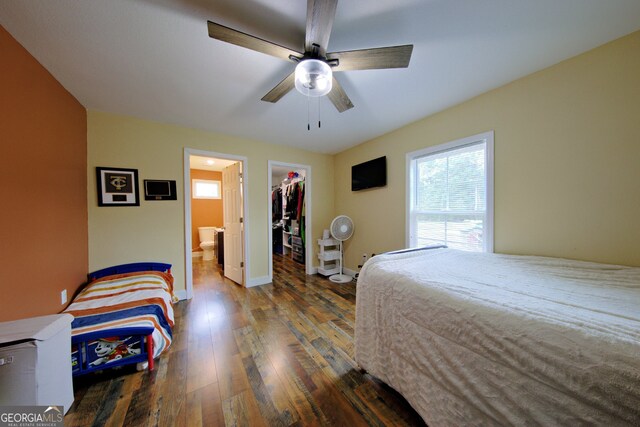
{"x":125,"y":301}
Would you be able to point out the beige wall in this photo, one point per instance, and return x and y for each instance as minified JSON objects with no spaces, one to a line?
{"x":155,"y":231}
{"x":567,"y":162}
{"x":43,"y":219}
{"x":205,"y":212}
{"x":567,"y":148}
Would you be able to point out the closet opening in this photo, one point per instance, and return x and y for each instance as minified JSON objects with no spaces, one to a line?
{"x":290,"y":215}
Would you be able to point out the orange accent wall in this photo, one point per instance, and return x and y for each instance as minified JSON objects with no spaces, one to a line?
{"x":205,"y":212}
{"x":43,"y":187}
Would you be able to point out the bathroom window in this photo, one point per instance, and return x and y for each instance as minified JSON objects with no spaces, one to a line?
{"x":206,"y":189}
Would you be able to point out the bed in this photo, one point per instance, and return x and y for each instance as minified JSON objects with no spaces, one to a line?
{"x":124,"y":315}
{"x":488,"y":339}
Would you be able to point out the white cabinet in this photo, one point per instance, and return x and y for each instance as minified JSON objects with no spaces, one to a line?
{"x":35,"y":361}
{"x":329,"y":257}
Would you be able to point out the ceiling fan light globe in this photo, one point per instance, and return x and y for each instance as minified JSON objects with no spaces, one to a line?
{"x":313,"y":77}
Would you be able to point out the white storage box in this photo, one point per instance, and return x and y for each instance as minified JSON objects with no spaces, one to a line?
{"x":35,"y":361}
{"x":328,"y":242}
{"x":329,"y":255}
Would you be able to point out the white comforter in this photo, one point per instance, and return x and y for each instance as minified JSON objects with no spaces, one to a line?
{"x":487,"y":339}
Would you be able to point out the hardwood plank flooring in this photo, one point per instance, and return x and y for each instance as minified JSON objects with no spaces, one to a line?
{"x":274,"y":355}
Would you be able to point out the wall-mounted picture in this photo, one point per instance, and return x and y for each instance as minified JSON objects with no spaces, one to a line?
{"x":117,"y":187}
{"x":159,"y":189}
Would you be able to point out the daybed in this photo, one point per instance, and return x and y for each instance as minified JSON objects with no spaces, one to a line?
{"x":123,"y":316}
{"x":487,"y":339}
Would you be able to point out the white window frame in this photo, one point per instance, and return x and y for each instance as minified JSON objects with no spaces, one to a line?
{"x":459,"y":143}
{"x":194,"y":185}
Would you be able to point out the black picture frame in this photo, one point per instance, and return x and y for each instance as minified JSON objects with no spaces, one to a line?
{"x":117,"y":187}
{"x":159,"y":189}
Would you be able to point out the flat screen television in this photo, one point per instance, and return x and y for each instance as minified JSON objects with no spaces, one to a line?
{"x":369,"y":174}
{"x":155,"y":189}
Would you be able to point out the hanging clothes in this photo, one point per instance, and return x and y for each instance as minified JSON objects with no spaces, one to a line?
{"x":276,"y":205}
{"x":291,"y":210}
{"x":300,"y":201}
{"x":292,"y":195}
{"x":303,"y":226}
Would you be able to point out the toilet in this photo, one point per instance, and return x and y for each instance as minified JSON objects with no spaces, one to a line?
{"x":207,"y":242}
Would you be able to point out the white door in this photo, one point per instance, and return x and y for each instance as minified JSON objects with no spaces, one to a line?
{"x":233,"y":222}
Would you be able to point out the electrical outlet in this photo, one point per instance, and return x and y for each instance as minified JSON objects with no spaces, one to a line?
{"x":63,"y":296}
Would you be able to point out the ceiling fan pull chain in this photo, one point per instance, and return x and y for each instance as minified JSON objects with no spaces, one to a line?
{"x":308,"y":114}
{"x":319,"y":124}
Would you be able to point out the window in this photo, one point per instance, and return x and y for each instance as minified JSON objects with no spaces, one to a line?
{"x":451,"y":194}
{"x":206,"y":189}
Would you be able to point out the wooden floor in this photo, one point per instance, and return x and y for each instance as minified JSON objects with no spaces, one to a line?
{"x":273,"y":355}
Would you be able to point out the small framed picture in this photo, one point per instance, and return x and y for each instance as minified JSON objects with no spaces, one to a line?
{"x":117,"y":187}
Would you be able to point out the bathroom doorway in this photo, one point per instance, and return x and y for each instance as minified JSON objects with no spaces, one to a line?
{"x":214,"y":211}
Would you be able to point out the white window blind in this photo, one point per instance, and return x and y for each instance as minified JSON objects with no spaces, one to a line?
{"x":449,"y":189}
{"x":206,"y":189}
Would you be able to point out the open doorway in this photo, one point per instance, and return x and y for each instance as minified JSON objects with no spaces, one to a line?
{"x":289,"y":187}
{"x":215,"y":207}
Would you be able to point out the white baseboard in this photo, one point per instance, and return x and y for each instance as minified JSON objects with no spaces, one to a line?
{"x":181,"y":294}
{"x":257,"y":281}
{"x":196,"y":254}
{"x":314,"y":270}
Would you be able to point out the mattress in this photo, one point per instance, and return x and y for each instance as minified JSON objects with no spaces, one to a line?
{"x":126,"y":302}
{"x":487,"y":339}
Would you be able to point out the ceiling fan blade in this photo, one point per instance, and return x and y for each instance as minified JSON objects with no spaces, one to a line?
{"x":229,"y":35}
{"x":339,"y":97}
{"x":320,"y":16}
{"x":370,"y":59}
{"x":281,"y":88}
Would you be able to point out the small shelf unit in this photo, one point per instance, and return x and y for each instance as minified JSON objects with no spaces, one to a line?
{"x":329,"y":257}
{"x":286,"y":236}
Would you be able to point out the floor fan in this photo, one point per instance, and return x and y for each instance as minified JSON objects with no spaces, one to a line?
{"x":341,"y":229}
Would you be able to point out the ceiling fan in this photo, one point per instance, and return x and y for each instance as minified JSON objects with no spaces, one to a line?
{"x":313,"y":75}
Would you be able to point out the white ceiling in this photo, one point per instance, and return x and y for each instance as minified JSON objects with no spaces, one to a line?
{"x":200,"y":163}
{"x":280,"y":172}
{"x":153,"y":58}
